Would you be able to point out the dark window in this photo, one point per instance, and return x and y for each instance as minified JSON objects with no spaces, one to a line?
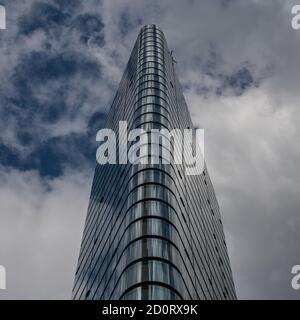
{"x":171,"y":84}
{"x":187,"y":254}
{"x":87,"y":293}
{"x":182,"y":202}
{"x":179,"y":174}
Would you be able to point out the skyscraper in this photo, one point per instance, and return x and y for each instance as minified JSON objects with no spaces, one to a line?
{"x":152,"y":232}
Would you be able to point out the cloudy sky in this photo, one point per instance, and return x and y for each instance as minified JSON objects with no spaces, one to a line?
{"x":60,"y":64}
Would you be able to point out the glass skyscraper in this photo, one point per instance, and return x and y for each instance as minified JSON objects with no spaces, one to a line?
{"x":152,"y":232}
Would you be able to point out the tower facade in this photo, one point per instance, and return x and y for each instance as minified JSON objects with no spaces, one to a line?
{"x":151,"y":231}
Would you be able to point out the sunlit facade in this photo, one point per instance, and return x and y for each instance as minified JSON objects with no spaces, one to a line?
{"x":151,"y":231}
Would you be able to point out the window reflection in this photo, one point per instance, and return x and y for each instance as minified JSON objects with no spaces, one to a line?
{"x":151,"y":292}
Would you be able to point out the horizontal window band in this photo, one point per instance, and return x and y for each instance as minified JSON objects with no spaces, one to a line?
{"x":172,"y":150}
{"x":159,"y":158}
{"x":152,"y":35}
{"x":150,"y":283}
{"x":156,"y":37}
{"x":148,"y":184}
{"x":149,"y":32}
{"x":152,"y":54}
{"x":151,"y":70}
{"x":156,"y":169}
{"x":148,"y":113}
{"x":156,"y":125}
{"x":146,"y":92}
{"x":154,"y":85}
{"x":151,"y":44}
{"x":147,"y":51}
{"x":150,"y":77}
{"x":148,"y":106}
{"x":146,"y":292}
{"x":159,"y":80}
{"x":151,"y":50}
{"x":150,"y":116}
{"x":154,"y":96}
{"x":151,"y":64}
{"x":151,"y":84}
{"x":151,"y":58}
{"x":142,"y":103}
{"x":151,"y":41}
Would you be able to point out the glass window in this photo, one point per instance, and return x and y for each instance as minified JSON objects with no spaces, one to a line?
{"x":151,"y":292}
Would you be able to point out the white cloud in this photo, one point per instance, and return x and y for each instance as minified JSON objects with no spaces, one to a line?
{"x":254,"y":167}
{"x":40,"y":231}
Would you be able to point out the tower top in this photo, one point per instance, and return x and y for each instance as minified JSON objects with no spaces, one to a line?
{"x":151,"y":26}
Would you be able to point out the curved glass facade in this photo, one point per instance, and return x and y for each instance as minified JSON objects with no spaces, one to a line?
{"x":151,"y":232}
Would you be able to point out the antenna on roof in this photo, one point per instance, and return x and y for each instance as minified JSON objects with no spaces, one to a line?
{"x":173,"y":59}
